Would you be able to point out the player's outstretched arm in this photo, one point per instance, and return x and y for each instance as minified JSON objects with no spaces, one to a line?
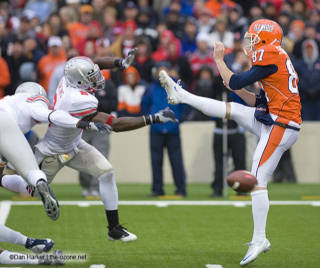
{"x":130,"y":123}
{"x":112,"y":62}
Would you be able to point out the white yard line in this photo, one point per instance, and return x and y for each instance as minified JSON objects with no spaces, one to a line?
{"x":5,"y":207}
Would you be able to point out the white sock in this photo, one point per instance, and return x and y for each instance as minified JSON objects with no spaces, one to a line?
{"x":260,"y":208}
{"x":35,"y":175}
{"x":207,"y":106}
{"x":108,"y":191}
{"x":15,"y":183}
{"x":8,"y":257}
{"x":10,"y":236}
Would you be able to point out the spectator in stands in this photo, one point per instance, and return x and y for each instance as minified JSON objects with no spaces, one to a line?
{"x":206,"y":21}
{"x":49,"y":62}
{"x":284,"y":21}
{"x":56,"y":25}
{"x":270,"y":11}
{"x":14,"y":61}
{"x":315,"y":19}
{"x":24,"y":30}
{"x":145,"y":27}
{"x":300,"y":9}
{"x":130,"y":93}
{"x":107,"y":98}
{"x":202,"y":55}
{"x":175,"y":23}
{"x":103,"y":47}
{"x":237,"y":23}
{"x":256,"y":13}
{"x":164,"y":136}
{"x":308,"y":69}
{"x":162,"y":52}
{"x":32,"y":50}
{"x":143,"y":62}
{"x":218,"y":7}
{"x":86,"y":28}
{"x":189,"y":44}
{"x":130,"y":11}
{"x":295,"y":34}
{"x":43,"y":8}
{"x":109,"y":23}
{"x":68,"y":16}
{"x":124,"y":42}
{"x":309,"y":33}
{"x":4,"y":77}
{"x":222,"y":34}
{"x":98,"y":9}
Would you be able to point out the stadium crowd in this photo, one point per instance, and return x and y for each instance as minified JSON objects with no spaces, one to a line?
{"x":38,"y":36}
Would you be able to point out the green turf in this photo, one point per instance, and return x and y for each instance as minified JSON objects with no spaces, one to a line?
{"x":283,"y":191}
{"x":177,"y":237}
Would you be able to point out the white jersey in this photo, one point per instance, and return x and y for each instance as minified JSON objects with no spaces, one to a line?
{"x":77,"y":103}
{"x":25,"y":109}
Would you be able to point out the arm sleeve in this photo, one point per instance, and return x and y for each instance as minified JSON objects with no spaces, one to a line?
{"x":41,"y":113}
{"x":256,"y":73}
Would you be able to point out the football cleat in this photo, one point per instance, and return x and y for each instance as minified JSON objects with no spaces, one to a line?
{"x":254,"y":250}
{"x":49,"y":201}
{"x":173,"y":89}
{"x":39,"y":245}
{"x":53,"y":259}
{"x":120,"y":233}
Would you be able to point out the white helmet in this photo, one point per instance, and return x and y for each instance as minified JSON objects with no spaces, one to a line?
{"x":83,"y":73}
{"x":32,"y":88}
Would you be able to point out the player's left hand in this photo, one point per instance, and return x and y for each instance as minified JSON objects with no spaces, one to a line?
{"x":165,"y":115}
{"x":126,"y":62}
{"x":218,"y":51}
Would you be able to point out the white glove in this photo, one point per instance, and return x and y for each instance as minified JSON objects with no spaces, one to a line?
{"x":126,"y":62}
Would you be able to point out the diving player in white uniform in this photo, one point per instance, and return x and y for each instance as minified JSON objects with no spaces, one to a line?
{"x":18,"y":114}
{"x":64,"y":147}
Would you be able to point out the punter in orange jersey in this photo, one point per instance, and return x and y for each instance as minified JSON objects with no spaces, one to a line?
{"x":274,"y":115}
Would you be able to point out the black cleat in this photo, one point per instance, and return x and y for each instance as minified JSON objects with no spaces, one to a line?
{"x":120,"y":233}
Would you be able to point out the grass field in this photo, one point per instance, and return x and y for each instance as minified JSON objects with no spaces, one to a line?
{"x":177,"y":236}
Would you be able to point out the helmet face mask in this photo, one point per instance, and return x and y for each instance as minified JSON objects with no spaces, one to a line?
{"x":249,"y":42}
{"x":82,"y":73}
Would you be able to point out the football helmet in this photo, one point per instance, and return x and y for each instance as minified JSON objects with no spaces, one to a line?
{"x":83,"y":73}
{"x":32,"y":88}
{"x":262,"y":32}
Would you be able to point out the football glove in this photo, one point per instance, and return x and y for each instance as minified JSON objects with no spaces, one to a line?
{"x":126,"y":62}
{"x":163,"y":116}
{"x":262,"y":111}
{"x":94,"y":126}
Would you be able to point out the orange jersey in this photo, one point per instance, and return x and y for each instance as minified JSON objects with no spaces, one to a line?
{"x":281,"y":88}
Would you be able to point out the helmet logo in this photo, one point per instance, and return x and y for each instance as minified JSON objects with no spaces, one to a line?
{"x":263,"y":27}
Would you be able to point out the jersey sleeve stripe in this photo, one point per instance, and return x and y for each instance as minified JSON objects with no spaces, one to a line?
{"x":39,"y":98}
{"x":84,"y":112}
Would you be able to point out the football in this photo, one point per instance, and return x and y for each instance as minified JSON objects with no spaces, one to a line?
{"x":241,"y":181}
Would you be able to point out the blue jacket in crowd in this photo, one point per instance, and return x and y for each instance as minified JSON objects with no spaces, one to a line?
{"x":309,"y":79}
{"x":154,"y":100}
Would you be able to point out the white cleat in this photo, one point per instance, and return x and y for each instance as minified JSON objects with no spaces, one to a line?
{"x":255,"y":249}
{"x":173,"y":89}
{"x":118,"y":232}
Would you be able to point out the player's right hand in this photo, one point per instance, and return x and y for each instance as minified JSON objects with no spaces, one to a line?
{"x":93,"y":126}
{"x":165,"y":115}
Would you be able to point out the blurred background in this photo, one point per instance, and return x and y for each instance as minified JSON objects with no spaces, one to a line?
{"x":37,"y":37}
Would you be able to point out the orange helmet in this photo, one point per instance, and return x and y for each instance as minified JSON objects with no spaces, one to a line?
{"x":262,"y":32}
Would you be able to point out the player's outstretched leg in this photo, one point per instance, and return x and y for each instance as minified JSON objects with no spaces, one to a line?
{"x":109,"y":196}
{"x":176,"y":94}
{"x":36,"y":245}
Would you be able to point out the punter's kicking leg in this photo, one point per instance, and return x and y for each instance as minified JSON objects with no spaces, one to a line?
{"x":15,"y":148}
